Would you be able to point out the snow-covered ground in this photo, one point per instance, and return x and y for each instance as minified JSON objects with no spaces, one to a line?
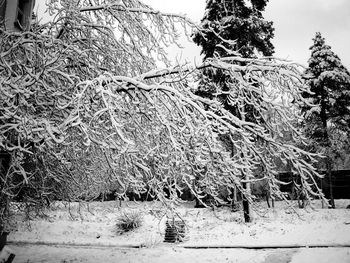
{"x":164,"y":254}
{"x":95,"y":225}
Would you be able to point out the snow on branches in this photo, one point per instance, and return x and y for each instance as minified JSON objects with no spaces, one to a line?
{"x":84,"y":97}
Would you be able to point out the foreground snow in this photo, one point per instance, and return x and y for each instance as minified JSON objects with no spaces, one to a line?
{"x":205,"y":227}
{"x":161,"y":254}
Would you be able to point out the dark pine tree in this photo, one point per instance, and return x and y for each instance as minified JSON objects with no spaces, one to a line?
{"x":233,"y":25}
{"x":329,"y":81}
{"x":235,"y":20}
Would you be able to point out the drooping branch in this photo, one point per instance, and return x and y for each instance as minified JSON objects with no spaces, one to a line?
{"x":123,"y":8}
{"x":94,"y":92}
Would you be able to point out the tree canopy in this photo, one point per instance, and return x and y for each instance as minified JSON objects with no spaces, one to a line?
{"x":329,"y":81}
{"x":327,"y":112}
{"x":85,"y":87}
{"x":239,"y":22}
{"x":233,"y":28}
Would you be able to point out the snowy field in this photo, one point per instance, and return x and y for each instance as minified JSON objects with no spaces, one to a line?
{"x":51,"y":239}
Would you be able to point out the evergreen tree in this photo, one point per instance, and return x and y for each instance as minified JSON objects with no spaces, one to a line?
{"x":234,"y":25}
{"x":235,"y":20}
{"x":329,"y":105}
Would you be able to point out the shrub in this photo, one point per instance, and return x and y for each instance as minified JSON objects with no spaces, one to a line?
{"x":129,"y":220}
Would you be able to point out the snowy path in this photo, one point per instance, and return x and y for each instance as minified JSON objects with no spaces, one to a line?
{"x":169,"y":254}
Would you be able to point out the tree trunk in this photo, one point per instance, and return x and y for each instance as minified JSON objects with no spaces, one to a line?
{"x":245,"y":203}
{"x":5,"y":160}
{"x":327,"y":143}
{"x":329,"y":175}
{"x":234,"y":204}
{"x":267,"y":200}
{"x":235,"y":194}
{"x":270,"y":197}
{"x":3,"y":238}
{"x":245,"y":185}
{"x":322,"y":191}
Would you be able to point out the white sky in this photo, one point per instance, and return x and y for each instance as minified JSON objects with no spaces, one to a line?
{"x":295,"y":22}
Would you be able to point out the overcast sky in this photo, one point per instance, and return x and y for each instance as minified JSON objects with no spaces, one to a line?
{"x":295,"y":22}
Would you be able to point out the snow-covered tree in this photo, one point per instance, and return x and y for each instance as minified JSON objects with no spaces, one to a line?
{"x":238,"y":25}
{"x":328,"y":107}
{"x":241,"y":22}
{"x":86,"y":84}
{"x":232,"y":26}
